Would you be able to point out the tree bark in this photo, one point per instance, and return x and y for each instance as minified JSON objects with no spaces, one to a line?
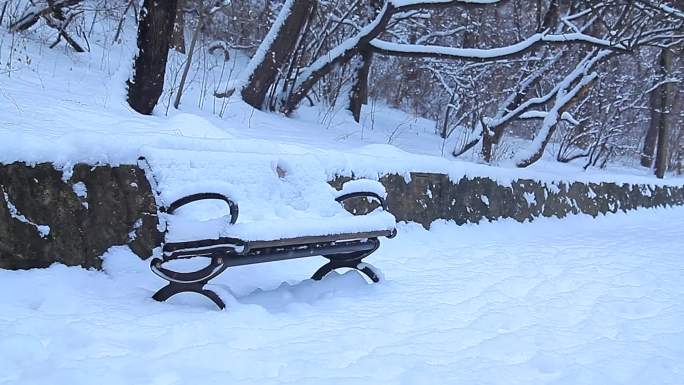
{"x":154,"y":35}
{"x":273,"y":53}
{"x":652,"y":134}
{"x":178,"y":39}
{"x":188,"y":61}
{"x":359,"y":90}
{"x":665,"y":92}
{"x":358,"y":95}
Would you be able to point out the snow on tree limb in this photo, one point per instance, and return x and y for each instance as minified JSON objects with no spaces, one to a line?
{"x":274,"y":51}
{"x":343,"y":52}
{"x":663,"y":7}
{"x":38,"y":10}
{"x":340,"y":54}
{"x":261,"y":52}
{"x":424,"y":3}
{"x":568,"y":89}
{"x":566,"y":116}
{"x":415,"y":50}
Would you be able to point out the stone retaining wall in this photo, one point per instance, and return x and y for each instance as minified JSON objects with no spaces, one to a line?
{"x":427,"y":197}
{"x":48,"y":216}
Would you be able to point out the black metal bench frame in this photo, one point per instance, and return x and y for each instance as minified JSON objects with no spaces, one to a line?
{"x":342,"y":251}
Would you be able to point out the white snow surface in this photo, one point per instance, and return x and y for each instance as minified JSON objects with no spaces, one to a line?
{"x":573,"y":301}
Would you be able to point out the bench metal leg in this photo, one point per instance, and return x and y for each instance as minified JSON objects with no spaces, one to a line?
{"x":351,"y":261}
{"x":174,"y":288}
{"x":193,"y":282}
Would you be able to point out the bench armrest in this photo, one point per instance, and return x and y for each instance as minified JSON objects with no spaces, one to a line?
{"x":367,"y":194}
{"x":363,"y":188}
{"x":204,"y":196}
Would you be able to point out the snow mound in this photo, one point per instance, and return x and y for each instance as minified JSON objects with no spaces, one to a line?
{"x":194,"y":126}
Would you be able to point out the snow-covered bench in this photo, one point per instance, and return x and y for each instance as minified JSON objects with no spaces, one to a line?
{"x":287,"y":211}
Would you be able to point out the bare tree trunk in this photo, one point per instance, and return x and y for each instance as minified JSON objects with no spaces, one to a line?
{"x":361,"y":69}
{"x":178,"y":39}
{"x":154,"y":35}
{"x":679,"y":151}
{"x":487,"y":144}
{"x":275,"y":50}
{"x":652,"y":134}
{"x":359,"y":90}
{"x":188,"y":61}
{"x":2,"y":13}
{"x":662,"y":147}
{"x":119,"y":27}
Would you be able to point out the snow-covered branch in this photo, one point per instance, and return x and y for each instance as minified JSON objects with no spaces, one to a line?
{"x":568,"y":90}
{"x":566,"y":116}
{"x":404,"y":5}
{"x":38,"y":10}
{"x":663,"y":7}
{"x":476,"y":54}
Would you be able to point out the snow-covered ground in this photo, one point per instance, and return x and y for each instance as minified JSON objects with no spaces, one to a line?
{"x":572,"y":301}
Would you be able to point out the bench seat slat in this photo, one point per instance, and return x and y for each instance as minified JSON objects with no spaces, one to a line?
{"x":318,"y":239}
{"x":235,"y":246}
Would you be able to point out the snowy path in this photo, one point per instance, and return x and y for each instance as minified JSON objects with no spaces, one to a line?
{"x":574,"y":301}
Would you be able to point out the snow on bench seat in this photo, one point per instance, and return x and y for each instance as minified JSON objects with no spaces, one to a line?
{"x":299,"y":203}
{"x":182,"y":229}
